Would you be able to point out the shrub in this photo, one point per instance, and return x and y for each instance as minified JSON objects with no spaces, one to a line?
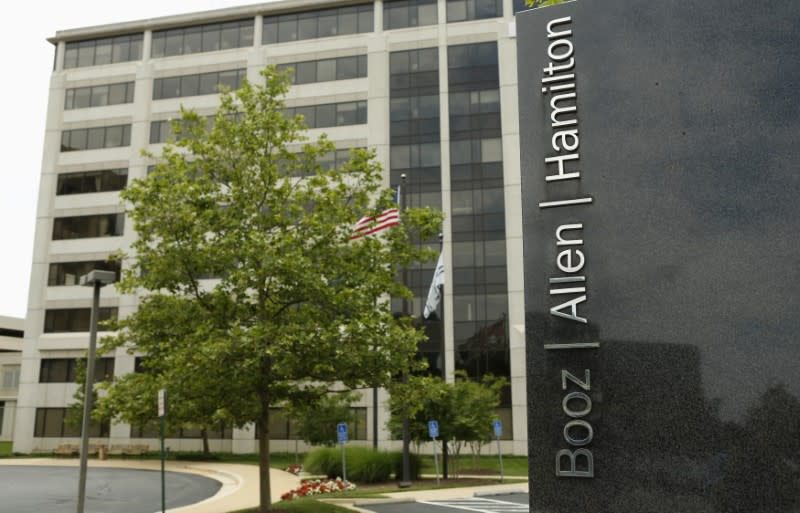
{"x":364,"y":465}
{"x":324,"y":461}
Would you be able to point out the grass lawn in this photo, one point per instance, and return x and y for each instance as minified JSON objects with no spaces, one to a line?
{"x":481,"y":465}
{"x":5,"y":449}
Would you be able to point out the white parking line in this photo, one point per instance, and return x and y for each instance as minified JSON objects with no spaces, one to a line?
{"x":481,"y":505}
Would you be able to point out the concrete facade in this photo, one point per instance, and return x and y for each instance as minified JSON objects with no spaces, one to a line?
{"x":10,"y":360}
{"x":377,"y":45}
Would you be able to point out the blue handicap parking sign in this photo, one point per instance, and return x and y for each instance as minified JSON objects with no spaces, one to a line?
{"x":341,"y":432}
{"x":497,"y":425}
{"x":433,"y":428}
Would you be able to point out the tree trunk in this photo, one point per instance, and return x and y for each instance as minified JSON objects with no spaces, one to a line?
{"x":265,"y":494}
{"x":204,"y":435}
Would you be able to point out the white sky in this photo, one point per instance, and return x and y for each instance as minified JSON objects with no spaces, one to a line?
{"x":28,"y":61}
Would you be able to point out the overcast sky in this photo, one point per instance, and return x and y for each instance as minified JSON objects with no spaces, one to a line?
{"x":28,"y":60}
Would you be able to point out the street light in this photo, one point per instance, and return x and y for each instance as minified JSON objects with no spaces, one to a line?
{"x":96,"y":279}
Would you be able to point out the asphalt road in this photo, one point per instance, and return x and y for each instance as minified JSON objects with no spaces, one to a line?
{"x":508,"y":503}
{"x":29,"y":489}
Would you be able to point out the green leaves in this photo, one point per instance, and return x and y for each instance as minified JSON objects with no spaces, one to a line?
{"x":250,"y":288}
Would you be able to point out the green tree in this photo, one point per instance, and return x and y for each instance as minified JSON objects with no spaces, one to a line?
{"x":316,"y":421}
{"x":296,"y":306}
{"x":464,"y":408}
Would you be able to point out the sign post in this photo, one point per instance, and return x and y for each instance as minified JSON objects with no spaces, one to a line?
{"x":497,"y":426}
{"x":341,"y":435}
{"x":162,"y":408}
{"x":433,"y":431}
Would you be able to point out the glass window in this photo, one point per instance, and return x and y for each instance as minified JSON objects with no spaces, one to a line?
{"x":193,"y":40}
{"x":102,"y":53}
{"x":306,"y":72}
{"x":115,"y":136}
{"x":68,"y":273}
{"x":203,"y":38}
{"x":77,"y":227}
{"x":190,"y":85}
{"x":210,"y":40}
{"x":74,"y":319}
{"x":316,"y":24}
{"x":307,"y":26}
{"x":346,"y":67}
{"x":83,"y":98}
{"x":95,"y":138}
{"x":118,"y":93}
{"x":327,"y":115}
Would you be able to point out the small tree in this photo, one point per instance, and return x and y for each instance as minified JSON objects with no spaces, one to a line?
{"x":296,"y":306}
{"x":316,"y":421}
{"x":464,"y":408}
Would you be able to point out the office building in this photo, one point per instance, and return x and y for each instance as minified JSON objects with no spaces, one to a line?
{"x":430,"y":85}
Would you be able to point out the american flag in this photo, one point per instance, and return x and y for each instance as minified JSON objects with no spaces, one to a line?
{"x":372,"y":225}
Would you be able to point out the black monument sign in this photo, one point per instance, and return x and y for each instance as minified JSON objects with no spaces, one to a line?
{"x":661,"y":182}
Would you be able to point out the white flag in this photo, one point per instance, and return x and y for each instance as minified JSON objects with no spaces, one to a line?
{"x":434,"y":295}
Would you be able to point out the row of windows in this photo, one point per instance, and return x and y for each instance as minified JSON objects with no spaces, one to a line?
{"x":315,"y":24}
{"x":197,"y":84}
{"x":99,"y":95}
{"x":277,"y":29}
{"x":331,"y":114}
{"x":409,"y":13}
{"x":82,"y":227}
{"x":102,"y":180}
{"x":95,"y":138}
{"x":96,"y":52}
{"x":463,"y":10}
{"x":325,"y":70}
{"x":281,"y":428}
{"x":69,"y":320}
{"x":64,"y":370}
{"x":51,"y":423}
{"x":220,"y":431}
{"x":203,"y":38}
{"x":68,"y":273}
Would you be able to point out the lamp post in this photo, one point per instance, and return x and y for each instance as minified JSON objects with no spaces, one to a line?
{"x":96,"y":279}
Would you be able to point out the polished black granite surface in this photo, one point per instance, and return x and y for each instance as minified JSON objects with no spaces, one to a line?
{"x":681,"y":391}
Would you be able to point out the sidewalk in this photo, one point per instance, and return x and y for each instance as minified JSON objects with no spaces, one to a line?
{"x":239,"y":482}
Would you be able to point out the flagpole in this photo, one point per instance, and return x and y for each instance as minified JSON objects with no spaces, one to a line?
{"x":406,"y":480}
{"x":443,"y":353}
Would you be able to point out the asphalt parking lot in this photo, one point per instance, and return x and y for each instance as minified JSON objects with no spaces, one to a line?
{"x":43,"y":489}
{"x":506,"y":503}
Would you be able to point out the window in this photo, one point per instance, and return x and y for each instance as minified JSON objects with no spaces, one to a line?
{"x":331,"y":114}
{"x":203,"y":38}
{"x":409,"y":13}
{"x":161,"y":131}
{"x":315,"y":24}
{"x":340,"y":68}
{"x":10,"y":378}
{"x":69,"y":320}
{"x":64,"y":370}
{"x":68,"y":273}
{"x":104,"y":180}
{"x":80,"y":227}
{"x":198,"y":84}
{"x":109,"y":50}
{"x":152,"y":430}
{"x":464,"y":10}
{"x":99,"y":96}
{"x":51,"y":423}
{"x":96,"y":138}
